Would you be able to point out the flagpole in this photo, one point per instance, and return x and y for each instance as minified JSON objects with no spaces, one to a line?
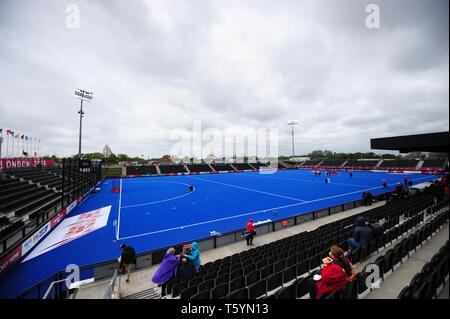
{"x":13,"y":143}
{"x":7,"y":140}
{"x":1,"y":143}
{"x":17,"y":150}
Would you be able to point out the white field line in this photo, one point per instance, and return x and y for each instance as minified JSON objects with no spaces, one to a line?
{"x":255,"y":212}
{"x":249,"y":189}
{"x":120,"y":207}
{"x":308,"y":180}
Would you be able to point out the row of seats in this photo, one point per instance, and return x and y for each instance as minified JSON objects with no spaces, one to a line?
{"x":332,"y":163}
{"x":427,"y":283}
{"x":11,"y":229}
{"x":386,"y":265}
{"x":199,"y":168}
{"x":4,"y":221}
{"x":18,"y":200}
{"x":243,"y":166}
{"x":363,"y":163}
{"x":260,"y":282}
{"x":36,"y":204}
{"x":434,"y":163}
{"x":219,"y":167}
{"x":222,"y":167}
{"x":170,"y":169}
{"x":20,"y":195}
{"x":44,"y":209}
{"x":372,"y":163}
{"x":298,"y":255}
{"x":399,"y":163}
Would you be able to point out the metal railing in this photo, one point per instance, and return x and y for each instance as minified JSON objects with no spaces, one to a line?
{"x":110,"y":290}
{"x":52,"y":289}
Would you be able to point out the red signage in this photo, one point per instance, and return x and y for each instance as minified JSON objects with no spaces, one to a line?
{"x":11,"y":163}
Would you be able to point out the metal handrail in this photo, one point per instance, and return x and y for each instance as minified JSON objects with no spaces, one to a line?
{"x":110,"y":290}
{"x":51,"y":286}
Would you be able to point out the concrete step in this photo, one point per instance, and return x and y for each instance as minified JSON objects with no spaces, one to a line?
{"x":146,"y":294}
{"x":391,"y":287}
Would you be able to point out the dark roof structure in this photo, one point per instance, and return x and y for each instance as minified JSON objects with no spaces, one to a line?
{"x":431,"y":142}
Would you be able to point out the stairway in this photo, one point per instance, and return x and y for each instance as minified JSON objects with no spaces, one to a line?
{"x":419,"y":165}
{"x":146,"y":294}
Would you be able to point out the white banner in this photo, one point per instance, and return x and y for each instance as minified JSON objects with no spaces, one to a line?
{"x":71,"y":229}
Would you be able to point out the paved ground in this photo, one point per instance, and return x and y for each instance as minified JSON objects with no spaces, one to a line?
{"x":401,"y":277}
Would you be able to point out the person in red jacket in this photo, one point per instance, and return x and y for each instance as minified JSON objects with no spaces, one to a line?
{"x":336,"y":272}
{"x":250,"y":230}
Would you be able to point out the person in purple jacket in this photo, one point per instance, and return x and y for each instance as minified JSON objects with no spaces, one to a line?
{"x":167,"y":268}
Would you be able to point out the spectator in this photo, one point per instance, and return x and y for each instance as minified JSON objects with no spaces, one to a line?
{"x":194,"y":255}
{"x":385,"y":183}
{"x":338,"y":256}
{"x":167,"y":268}
{"x":250,"y":232}
{"x":333,"y":276}
{"x":127,"y":258}
{"x":186,"y":269}
{"x":377,"y":229}
{"x":362,"y":234}
{"x":370,"y":198}
{"x":400,"y":190}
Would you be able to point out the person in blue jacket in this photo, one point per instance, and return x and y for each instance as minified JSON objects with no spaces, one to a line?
{"x":362,"y":234}
{"x":194,"y":255}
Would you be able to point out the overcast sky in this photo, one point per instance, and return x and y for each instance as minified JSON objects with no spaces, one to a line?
{"x":155,"y":66}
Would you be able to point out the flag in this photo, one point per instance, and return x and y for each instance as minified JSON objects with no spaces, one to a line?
{"x":17,"y":135}
{"x":22,"y":136}
{"x":10,"y":132}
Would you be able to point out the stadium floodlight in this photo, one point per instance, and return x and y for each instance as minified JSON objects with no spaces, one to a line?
{"x":83,"y":95}
{"x":292,"y":123}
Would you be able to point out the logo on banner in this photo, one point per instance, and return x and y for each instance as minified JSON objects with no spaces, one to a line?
{"x":72,"y":228}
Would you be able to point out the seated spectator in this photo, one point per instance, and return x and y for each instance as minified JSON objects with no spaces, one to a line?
{"x":194,"y":255}
{"x":364,"y":196}
{"x":186,"y":269}
{"x":375,"y":226}
{"x":362,"y":234}
{"x":370,"y":198}
{"x":400,"y":190}
{"x":338,"y":256}
{"x":167,"y":268}
{"x":332,"y":278}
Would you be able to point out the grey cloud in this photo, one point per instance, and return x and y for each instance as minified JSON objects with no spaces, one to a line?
{"x":159,"y":65}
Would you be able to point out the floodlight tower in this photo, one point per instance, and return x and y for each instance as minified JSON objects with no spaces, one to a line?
{"x":292,"y":123}
{"x":83,"y":95}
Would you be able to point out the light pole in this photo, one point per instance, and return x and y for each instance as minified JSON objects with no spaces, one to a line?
{"x":292,"y":123}
{"x":83,"y":96}
{"x":81,"y":125}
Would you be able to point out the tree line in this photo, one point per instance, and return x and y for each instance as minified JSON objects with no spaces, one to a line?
{"x":108,"y":157}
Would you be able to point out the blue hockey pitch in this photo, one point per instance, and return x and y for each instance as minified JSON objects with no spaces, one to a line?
{"x":156,"y":212}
